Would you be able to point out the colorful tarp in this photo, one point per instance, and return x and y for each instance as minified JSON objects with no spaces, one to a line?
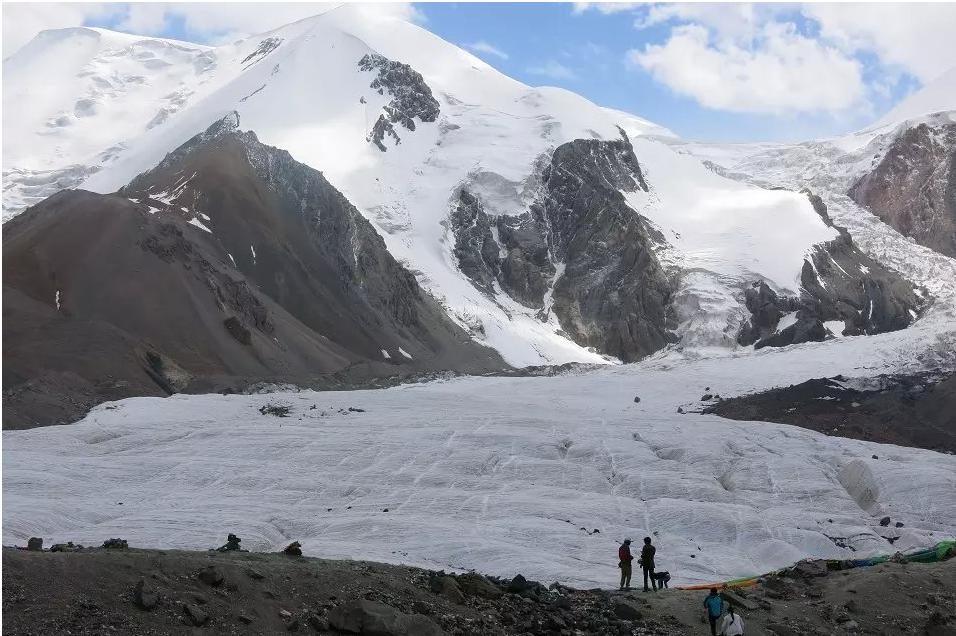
{"x":938,"y":552}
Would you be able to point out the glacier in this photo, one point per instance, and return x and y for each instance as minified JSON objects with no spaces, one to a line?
{"x":501,"y":474}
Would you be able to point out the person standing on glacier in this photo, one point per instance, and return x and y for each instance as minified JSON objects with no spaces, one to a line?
{"x":647,"y":563}
{"x":624,"y":562}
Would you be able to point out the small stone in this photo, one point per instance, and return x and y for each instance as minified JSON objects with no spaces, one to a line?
{"x":885,"y":521}
{"x":636,"y":399}
{"x":144,"y":596}
{"x":898,"y":524}
{"x":285,"y":613}
{"x":210,"y":575}
{"x":255,"y":574}
{"x":244,"y":619}
{"x":318,"y":623}
{"x":196,"y":616}
{"x":875,"y":457}
{"x":627,"y":611}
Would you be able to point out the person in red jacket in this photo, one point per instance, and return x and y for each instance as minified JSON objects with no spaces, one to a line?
{"x":625,"y":558}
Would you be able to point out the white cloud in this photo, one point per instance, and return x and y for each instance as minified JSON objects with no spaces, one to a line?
{"x":606,"y":8}
{"x":918,"y":38}
{"x":781,"y":72}
{"x":736,"y":21}
{"x":204,"y":22}
{"x":554,"y":70}
{"x":484,"y":47}
{"x":143,"y":17}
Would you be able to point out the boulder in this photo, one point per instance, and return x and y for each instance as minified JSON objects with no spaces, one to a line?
{"x":627,"y":611}
{"x":362,"y":616}
{"x":293,"y":549}
{"x":35,"y":544}
{"x":65,"y":547}
{"x":807,"y":569}
{"x":447,"y":587}
{"x":518,"y":584}
{"x":195,"y":614}
{"x":477,"y":585}
{"x":738,"y":600}
{"x":115,"y":544}
{"x":144,"y":596}
{"x":885,"y":521}
{"x":211,"y":575}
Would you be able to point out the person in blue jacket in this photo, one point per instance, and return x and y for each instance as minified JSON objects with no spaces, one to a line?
{"x":715,"y":606}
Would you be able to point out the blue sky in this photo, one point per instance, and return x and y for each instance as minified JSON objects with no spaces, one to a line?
{"x":722,"y":72}
{"x":592,"y":47}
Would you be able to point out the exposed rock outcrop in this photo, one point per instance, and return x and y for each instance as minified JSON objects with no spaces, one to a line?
{"x":913,"y":187}
{"x":410,"y":97}
{"x":579,"y":251}
{"x":843,"y":292}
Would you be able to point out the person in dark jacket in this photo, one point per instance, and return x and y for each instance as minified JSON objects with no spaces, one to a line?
{"x":647,"y":563}
{"x":625,"y":558}
{"x":715,"y":607}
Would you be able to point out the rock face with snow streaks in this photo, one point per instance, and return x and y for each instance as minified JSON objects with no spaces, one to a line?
{"x":840,"y":285}
{"x":579,"y":251}
{"x":913,"y":188}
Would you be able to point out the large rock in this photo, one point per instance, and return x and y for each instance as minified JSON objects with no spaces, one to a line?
{"x":447,"y":587}
{"x":144,"y":596}
{"x":476,"y":585}
{"x":376,"y":619}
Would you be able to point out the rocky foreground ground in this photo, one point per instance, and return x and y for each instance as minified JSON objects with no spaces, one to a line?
{"x":131,"y":591}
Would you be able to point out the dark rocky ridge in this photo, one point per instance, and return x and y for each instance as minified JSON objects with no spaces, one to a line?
{"x":913,"y":187}
{"x":838,"y":283}
{"x":915,"y":410}
{"x":411,"y":97}
{"x":612,"y":294}
{"x":151,"y":304}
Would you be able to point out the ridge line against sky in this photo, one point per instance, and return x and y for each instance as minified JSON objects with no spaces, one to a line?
{"x":714,"y":72}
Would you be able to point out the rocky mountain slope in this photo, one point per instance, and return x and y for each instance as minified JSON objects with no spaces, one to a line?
{"x":913,"y":187}
{"x":227,"y":264}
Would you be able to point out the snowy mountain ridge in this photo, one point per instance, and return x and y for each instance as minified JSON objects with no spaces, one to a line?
{"x":402,"y":123}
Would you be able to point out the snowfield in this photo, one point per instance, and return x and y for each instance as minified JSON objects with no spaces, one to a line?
{"x":502,"y":475}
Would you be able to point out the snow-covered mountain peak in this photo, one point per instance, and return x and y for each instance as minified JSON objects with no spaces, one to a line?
{"x":421,"y":137}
